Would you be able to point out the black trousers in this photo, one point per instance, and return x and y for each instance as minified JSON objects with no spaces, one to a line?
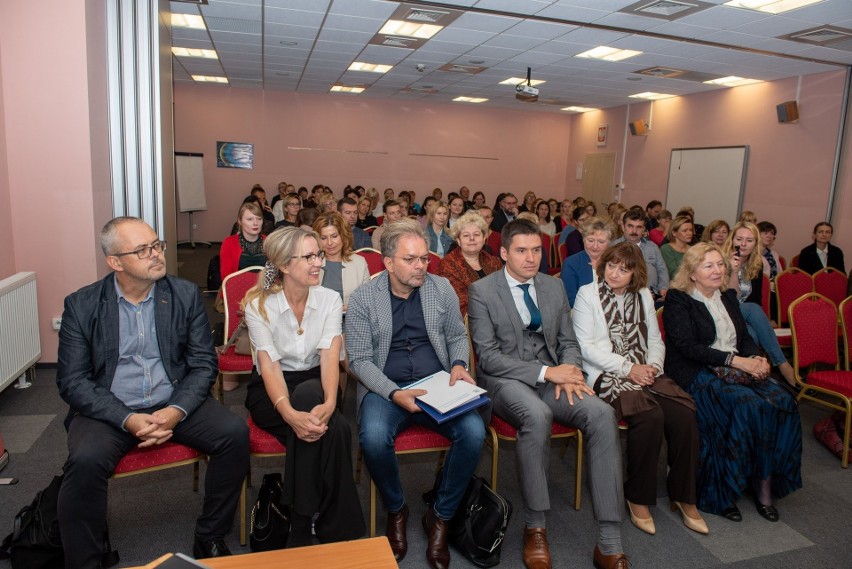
{"x":94,"y":448}
{"x":317,"y":475}
{"x":644,"y":440}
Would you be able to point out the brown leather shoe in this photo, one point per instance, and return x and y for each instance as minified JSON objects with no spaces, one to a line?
{"x":536,"y":550}
{"x":617,"y":561}
{"x":437,"y":552}
{"x":395,"y":532}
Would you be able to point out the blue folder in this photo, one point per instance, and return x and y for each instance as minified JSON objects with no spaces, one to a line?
{"x":443,"y":417}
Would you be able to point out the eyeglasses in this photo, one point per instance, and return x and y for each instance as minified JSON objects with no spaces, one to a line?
{"x":293,"y":204}
{"x":413,"y":260}
{"x":311,"y":257}
{"x":146,"y":251}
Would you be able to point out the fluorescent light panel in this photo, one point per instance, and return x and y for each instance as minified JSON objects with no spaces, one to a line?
{"x":409,"y":29}
{"x":771,"y":6}
{"x":345,"y":89}
{"x":608,"y":53}
{"x":733,"y":81}
{"x":470,"y":99}
{"x":575,"y":109}
{"x":515,"y":80}
{"x":371,"y":67}
{"x":194,"y":52}
{"x":651,"y":96}
{"x":188,"y":21}
{"x":209,"y":79}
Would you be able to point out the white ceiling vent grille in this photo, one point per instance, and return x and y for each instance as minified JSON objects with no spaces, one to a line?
{"x":666,"y":72}
{"x":665,"y":9}
{"x":455,"y":68}
{"x":821,"y":35}
{"x":397,"y":41}
{"x":425,"y":16}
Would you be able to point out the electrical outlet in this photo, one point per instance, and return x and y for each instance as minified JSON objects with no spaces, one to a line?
{"x":56,"y":321}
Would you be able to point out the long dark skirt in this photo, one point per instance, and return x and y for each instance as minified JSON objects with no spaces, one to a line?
{"x":746,"y":433}
{"x":317,"y":475}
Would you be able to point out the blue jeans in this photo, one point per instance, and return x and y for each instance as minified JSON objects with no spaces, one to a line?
{"x":382,"y":420}
{"x":760,"y":330}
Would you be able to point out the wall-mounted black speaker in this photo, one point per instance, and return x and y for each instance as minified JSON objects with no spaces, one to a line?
{"x":788,"y":112}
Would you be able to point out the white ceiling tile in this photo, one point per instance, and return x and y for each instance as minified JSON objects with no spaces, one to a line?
{"x":367,"y":25}
{"x":589,"y":36}
{"x":293,"y":17}
{"x":721,"y":17}
{"x":231,"y":37}
{"x":278,"y":31}
{"x":365,"y":9}
{"x":512,"y":6}
{"x":485,"y":22}
{"x":573,"y":13}
{"x":231,"y":11}
{"x":774,"y":26}
{"x":513,"y":42}
{"x":309,"y":5}
{"x":630,"y":21}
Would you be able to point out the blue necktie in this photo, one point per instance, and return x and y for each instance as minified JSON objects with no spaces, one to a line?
{"x":535,"y":314}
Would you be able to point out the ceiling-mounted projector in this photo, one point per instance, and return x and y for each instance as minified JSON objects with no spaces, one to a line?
{"x":526,"y":93}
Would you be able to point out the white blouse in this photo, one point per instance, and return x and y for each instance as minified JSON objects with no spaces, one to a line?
{"x":726,"y":333}
{"x":279,"y":336}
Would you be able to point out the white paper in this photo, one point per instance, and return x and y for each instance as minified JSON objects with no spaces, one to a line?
{"x":783,"y":332}
{"x":445,"y":397}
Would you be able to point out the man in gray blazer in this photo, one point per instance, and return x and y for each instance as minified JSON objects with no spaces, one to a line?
{"x":402,"y":326}
{"x":529,"y":360}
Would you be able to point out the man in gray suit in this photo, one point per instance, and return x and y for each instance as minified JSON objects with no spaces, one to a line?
{"x":402,"y":326}
{"x":529,"y":360}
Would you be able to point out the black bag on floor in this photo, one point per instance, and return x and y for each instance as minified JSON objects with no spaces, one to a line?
{"x":34,"y":542}
{"x":214,"y":274}
{"x":270,"y":521}
{"x":480,"y":523}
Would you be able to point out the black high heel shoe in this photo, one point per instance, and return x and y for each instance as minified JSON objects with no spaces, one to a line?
{"x":732,"y":513}
{"x":769,"y":513}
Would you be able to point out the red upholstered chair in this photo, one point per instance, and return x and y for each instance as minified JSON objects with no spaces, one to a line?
{"x":831,"y":283}
{"x":500,"y":430}
{"x":158,"y":457}
{"x":794,"y":262}
{"x":434,"y":262}
{"x":790,"y":284}
{"x":813,"y":322}
{"x":412,"y":440}
{"x":563,"y":252}
{"x":660,"y":323}
{"x":370,"y":229}
{"x":380,"y":219}
{"x":375,"y":264}
{"x":261,"y":445}
{"x":234,"y":288}
{"x":783,"y":262}
{"x":765,"y":291}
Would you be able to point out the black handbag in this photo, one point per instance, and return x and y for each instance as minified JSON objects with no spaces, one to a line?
{"x":270,"y":521}
{"x":479,"y":525}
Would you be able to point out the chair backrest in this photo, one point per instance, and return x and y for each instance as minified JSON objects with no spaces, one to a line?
{"x":375,"y":264}
{"x":813,"y":323}
{"x":434,"y":262}
{"x":369,"y":230}
{"x":790,"y":285}
{"x":234,"y":288}
{"x":380,"y":219}
{"x":764,"y":294}
{"x":783,"y":262}
{"x":660,"y":323}
{"x":563,"y":252}
{"x":794,"y":262}
{"x":846,"y":324}
{"x":831,"y":283}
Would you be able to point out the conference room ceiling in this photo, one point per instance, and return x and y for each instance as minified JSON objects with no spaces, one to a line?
{"x":308,"y":46}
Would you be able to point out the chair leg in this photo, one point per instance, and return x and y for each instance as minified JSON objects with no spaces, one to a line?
{"x":243,"y":513}
{"x":195,"y":471}
{"x":372,"y":508}
{"x":578,"y":474}
{"x":494,"y":451}
{"x":441,"y":457}
{"x":845,"y":459}
{"x":218,"y":389}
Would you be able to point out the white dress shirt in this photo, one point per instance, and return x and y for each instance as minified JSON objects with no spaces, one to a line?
{"x":521,"y":306}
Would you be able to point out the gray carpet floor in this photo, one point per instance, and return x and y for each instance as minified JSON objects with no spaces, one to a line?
{"x":155,"y":513}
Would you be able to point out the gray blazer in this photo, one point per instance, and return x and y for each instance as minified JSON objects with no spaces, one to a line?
{"x":369,"y":322}
{"x":497,"y":330}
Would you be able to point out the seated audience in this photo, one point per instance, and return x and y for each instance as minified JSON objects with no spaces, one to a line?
{"x":326,"y":203}
{"x":423,"y":218}
{"x":392,"y":212}
{"x":555,"y":207}
{"x":563,"y":219}
{"x":348,"y":209}
{"x":579,"y":269}
{"x":591,"y":208}
{"x":295,"y":329}
{"x":623,"y":355}
{"x":291,"y":205}
{"x":658,"y":234}
{"x":505,"y":210}
{"x":456,"y":209}
{"x":633,"y":227}
{"x":135,"y":365}
{"x":747,"y":217}
{"x":478,"y":200}
{"x":402,"y":326}
{"x":268,"y":217}
{"x":306,"y":218}
{"x":653,"y":210}
{"x":750,"y":431}
{"x":680,"y":237}
{"x":279,"y":209}
{"x":743,"y":253}
{"x":574,"y":245}
{"x":821,"y":253}
{"x":529,"y":203}
{"x":388,"y":195}
{"x":698,"y":230}
{"x":282,"y":191}
{"x":468,"y":262}
{"x":528,"y":358}
{"x":436,"y":229}
{"x":545,"y":222}
{"x":771,"y":263}
{"x":342,"y":270}
{"x":245,"y":248}
{"x":365,"y":216}
{"x":492,"y":238}
{"x":716,"y":232}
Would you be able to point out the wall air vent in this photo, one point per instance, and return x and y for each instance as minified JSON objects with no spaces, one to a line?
{"x":821,"y":35}
{"x":665,"y":9}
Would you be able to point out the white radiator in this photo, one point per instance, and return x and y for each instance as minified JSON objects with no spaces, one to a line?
{"x":20,"y":346}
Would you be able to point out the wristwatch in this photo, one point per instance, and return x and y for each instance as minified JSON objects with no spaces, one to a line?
{"x":461,"y":363}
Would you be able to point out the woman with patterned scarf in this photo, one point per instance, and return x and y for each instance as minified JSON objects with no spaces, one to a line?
{"x":623,"y":355}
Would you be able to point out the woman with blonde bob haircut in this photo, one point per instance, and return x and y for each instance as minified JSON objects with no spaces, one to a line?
{"x":295,"y":331}
{"x":749,"y":426}
{"x":623,"y":355}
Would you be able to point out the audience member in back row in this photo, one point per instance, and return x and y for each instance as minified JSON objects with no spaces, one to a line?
{"x":573,"y":238}
{"x":680,"y":237}
{"x":750,"y":431}
{"x":505,"y":210}
{"x":658,"y":234}
{"x":290,"y":207}
{"x":821,"y":253}
{"x":365,"y":214}
{"x":545,"y":221}
{"x":492,"y":238}
{"x":616,"y":327}
{"x":392,"y":212}
{"x":245,"y":248}
{"x":456,"y":208}
{"x":348,"y":209}
{"x":652,"y":210}
{"x":633,"y":228}
{"x":716,"y":232}
{"x":135,"y":365}
{"x":436,"y":229}
{"x":295,"y":328}
{"x":268,"y":218}
{"x":342,"y":270}
{"x":468,"y":262}
{"x":579,"y":269}
{"x":279,"y":210}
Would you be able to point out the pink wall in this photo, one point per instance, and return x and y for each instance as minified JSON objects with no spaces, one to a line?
{"x":48,"y":174}
{"x":7,"y":259}
{"x":489,"y":150}
{"x":789,"y":169}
